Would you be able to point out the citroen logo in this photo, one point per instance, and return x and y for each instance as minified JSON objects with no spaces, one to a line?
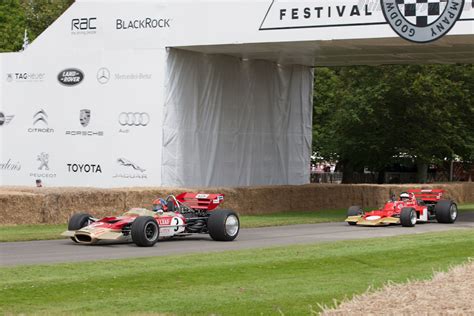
{"x":40,"y":116}
{"x":103,"y":75}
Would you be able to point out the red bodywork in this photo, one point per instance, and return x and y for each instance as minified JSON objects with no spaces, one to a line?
{"x":422,"y":201}
{"x":170,"y":223}
{"x":418,"y":200}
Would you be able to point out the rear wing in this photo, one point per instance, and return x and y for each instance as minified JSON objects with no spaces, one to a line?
{"x":201,"y":201}
{"x":427,"y":195}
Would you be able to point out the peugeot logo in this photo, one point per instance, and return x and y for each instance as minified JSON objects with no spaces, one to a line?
{"x":40,"y":116}
{"x":103,"y":75}
{"x":134,"y":119}
{"x":43,"y":158}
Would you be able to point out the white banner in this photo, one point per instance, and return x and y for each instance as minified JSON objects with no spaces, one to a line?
{"x":89,"y":120}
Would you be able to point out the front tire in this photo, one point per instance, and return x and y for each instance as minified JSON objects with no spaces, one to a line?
{"x":145,"y":231}
{"x":446,"y":211}
{"x":354,"y":210}
{"x":408,"y":217}
{"x":79,"y":220}
{"x":223,"y":225}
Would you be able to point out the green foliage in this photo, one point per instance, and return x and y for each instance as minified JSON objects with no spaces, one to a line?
{"x":33,"y":15}
{"x":12,"y":25}
{"x":290,"y":280}
{"x":365,"y":116}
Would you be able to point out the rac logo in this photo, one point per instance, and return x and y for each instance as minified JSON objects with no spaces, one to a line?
{"x":83,"y":24}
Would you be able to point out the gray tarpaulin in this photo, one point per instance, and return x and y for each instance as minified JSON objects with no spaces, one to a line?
{"x":234,"y":122}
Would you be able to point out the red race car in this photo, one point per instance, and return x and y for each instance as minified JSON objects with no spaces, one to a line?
{"x":183,"y":215}
{"x":413,"y":206}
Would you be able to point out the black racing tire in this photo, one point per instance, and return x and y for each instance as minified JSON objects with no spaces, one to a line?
{"x":446,"y":211}
{"x":408,"y":217}
{"x":78,"y":220}
{"x":354,"y":210}
{"x":223,"y":225}
{"x":145,"y":231}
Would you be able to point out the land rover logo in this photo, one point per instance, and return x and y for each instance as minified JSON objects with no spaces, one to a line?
{"x":70,"y":77}
{"x":422,"y":21}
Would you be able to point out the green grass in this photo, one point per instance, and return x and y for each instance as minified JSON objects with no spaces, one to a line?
{"x":292,"y":218}
{"x":45,"y":232}
{"x":291,"y":280}
{"x":31,"y":232}
{"x":466,"y":207}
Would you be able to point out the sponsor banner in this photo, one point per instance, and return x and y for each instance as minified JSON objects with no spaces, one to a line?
{"x":65,"y":136}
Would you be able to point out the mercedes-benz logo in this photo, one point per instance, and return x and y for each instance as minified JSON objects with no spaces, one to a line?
{"x":134,"y":119}
{"x":103,"y":75}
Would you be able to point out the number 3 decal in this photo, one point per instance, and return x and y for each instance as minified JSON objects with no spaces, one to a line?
{"x":177,"y":223}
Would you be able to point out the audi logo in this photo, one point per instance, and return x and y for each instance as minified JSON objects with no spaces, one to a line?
{"x":134,"y":119}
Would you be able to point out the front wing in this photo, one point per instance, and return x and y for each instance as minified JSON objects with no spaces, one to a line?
{"x":93,"y":236}
{"x":383,"y":221}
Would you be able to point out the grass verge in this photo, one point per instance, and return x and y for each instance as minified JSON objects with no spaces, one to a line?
{"x":45,"y":232}
{"x":289,"y":280}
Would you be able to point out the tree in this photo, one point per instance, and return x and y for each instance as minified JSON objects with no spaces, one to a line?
{"x":33,"y":15}
{"x":367,"y":116}
{"x":12,"y":25}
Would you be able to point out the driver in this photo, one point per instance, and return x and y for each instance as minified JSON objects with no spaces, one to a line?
{"x":159,"y":205}
{"x":405,"y":196}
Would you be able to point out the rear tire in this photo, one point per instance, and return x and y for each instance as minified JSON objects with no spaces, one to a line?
{"x":408,"y":217}
{"x":145,"y":231}
{"x":223,"y":225}
{"x":446,"y":211}
{"x":354,"y":210}
{"x":79,"y":220}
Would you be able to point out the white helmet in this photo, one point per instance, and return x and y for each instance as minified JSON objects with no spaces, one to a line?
{"x":404,"y":195}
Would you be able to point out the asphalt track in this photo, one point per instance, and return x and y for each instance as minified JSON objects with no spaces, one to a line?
{"x":64,"y":250}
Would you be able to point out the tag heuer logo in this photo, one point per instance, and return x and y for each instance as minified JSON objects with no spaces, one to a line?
{"x":84,"y":117}
{"x":422,"y":21}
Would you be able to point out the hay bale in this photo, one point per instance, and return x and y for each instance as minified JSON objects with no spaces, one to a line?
{"x":30,"y":205}
{"x":21,"y":208}
{"x":449,"y":292}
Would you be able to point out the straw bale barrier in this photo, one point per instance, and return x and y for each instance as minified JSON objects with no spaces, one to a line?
{"x":447,"y":293}
{"x":28,"y":205}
